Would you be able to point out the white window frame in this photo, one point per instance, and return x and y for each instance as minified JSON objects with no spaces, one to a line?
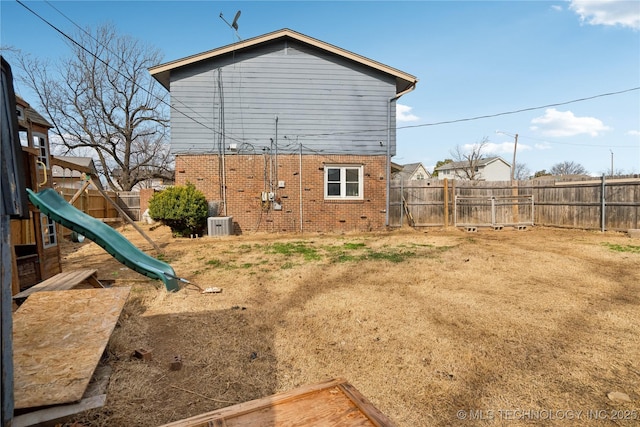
{"x":343,"y":182}
{"x":49,"y":235}
{"x":40,"y":142}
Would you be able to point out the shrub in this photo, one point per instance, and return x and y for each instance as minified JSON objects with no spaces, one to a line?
{"x":183,"y":208}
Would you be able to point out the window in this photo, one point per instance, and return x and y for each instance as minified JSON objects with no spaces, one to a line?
{"x":420,"y":177}
{"x":48,"y":231}
{"x":343,"y":182}
{"x":40,"y":142}
{"x":24,"y":138}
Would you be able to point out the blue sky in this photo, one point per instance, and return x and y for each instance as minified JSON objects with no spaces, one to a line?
{"x":472,"y":59}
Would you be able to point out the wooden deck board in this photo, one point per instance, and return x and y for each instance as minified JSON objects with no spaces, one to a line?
{"x":58,"y":339}
{"x":329,"y":404}
{"x":62,"y":281}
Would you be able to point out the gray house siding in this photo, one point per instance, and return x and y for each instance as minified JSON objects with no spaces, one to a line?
{"x":329,"y":104}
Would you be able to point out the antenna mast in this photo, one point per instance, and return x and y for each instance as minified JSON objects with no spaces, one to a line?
{"x":234,"y":24}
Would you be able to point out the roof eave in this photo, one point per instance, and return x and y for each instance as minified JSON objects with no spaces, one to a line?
{"x":162,"y":72}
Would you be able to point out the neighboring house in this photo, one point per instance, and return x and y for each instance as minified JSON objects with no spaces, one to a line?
{"x":488,"y":169}
{"x":154,"y":184}
{"x":67,"y":172}
{"x":412,"y":172}
{"x":285,"y":132}
{"x":158,"y":183}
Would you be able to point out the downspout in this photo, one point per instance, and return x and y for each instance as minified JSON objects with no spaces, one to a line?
{"x":300,"y":183}
{"x":222,"y":148}
{"x":393,"y":98}
{"x":276,"y":159}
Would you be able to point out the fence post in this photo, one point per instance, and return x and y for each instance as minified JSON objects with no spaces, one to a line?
{"x":453,"y":195}
{"x":602,"y":197}
{"x":533,"y":207}
{"x":493,"y":211}
{"x":402,"y":201}
{"x":455,"y":210}
{"x":446,"y":202}
{"x":515,"y":210}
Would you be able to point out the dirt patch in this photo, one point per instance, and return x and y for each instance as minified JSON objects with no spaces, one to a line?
{"x":442,"y":327}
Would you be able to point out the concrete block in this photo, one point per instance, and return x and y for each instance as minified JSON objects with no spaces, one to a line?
{"x":144,"y":354}
{"x":634,"y":233}
{"x":176,"y":363}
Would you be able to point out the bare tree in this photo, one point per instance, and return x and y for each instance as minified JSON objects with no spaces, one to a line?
{"x":522,"y":172}
{"x":102,"y":98}
{"x":616,"y":173}
{"x":568,"y":168}
{"x":469,"y":159}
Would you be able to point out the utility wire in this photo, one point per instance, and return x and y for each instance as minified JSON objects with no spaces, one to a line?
{"x":64,"y":35}
{"x":108,"y":48}
{"x":486,"y":116}
{"x":522,"y":110}
{"x":575,"y":144}
{"x":364,"y":131}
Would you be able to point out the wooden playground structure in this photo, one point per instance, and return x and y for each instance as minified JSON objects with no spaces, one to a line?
{"x":36,"y":253}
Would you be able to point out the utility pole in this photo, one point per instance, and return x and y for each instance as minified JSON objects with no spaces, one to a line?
{"x":611,"y":162}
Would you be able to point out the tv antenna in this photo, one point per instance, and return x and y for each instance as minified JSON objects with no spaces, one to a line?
{"x":234,"y":24}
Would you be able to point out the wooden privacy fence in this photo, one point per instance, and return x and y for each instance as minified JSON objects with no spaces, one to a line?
{"x":129,"y":201}
{"x":91,"y":202}
{"x":600,"y":203}
{"x":94,"y":204}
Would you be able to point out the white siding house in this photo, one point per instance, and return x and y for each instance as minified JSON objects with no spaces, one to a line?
{"x":488,"y":169}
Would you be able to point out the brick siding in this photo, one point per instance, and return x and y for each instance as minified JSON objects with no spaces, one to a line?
{"x":247,"y":176}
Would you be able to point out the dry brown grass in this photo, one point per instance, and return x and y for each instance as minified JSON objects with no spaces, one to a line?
{"x":544,"y":319}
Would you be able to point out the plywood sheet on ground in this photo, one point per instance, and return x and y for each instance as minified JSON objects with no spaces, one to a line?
{"x":329,"y":404}
{"x":58,"y":339}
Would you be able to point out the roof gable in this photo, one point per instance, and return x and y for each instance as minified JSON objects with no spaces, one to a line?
{"x":410,"y":169}
{"x":31,"y":114}
{"x":465,"y":164}
{"x":162,"y":72}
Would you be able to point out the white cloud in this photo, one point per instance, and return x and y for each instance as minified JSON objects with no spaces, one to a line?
{"x":556,"y":123}
{"x":625,"y":13}
{"x":634,"y":133}
{"x":497,"y":149}
{"x":542,"y":146}
{"x":556,"y":8}
{"x":403,"y":114}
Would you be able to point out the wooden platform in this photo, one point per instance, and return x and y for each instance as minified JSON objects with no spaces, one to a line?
{"x":329,"y":404}
{"x":58,"y":339}
{"x":62,"y":281}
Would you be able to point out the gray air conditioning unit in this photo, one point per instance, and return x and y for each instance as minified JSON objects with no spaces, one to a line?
{"x":220,"y":226}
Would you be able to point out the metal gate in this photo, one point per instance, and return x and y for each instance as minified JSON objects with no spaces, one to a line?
{"x":492,"y":211}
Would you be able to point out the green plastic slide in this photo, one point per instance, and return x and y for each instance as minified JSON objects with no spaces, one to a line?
{"x":59,"y":210}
